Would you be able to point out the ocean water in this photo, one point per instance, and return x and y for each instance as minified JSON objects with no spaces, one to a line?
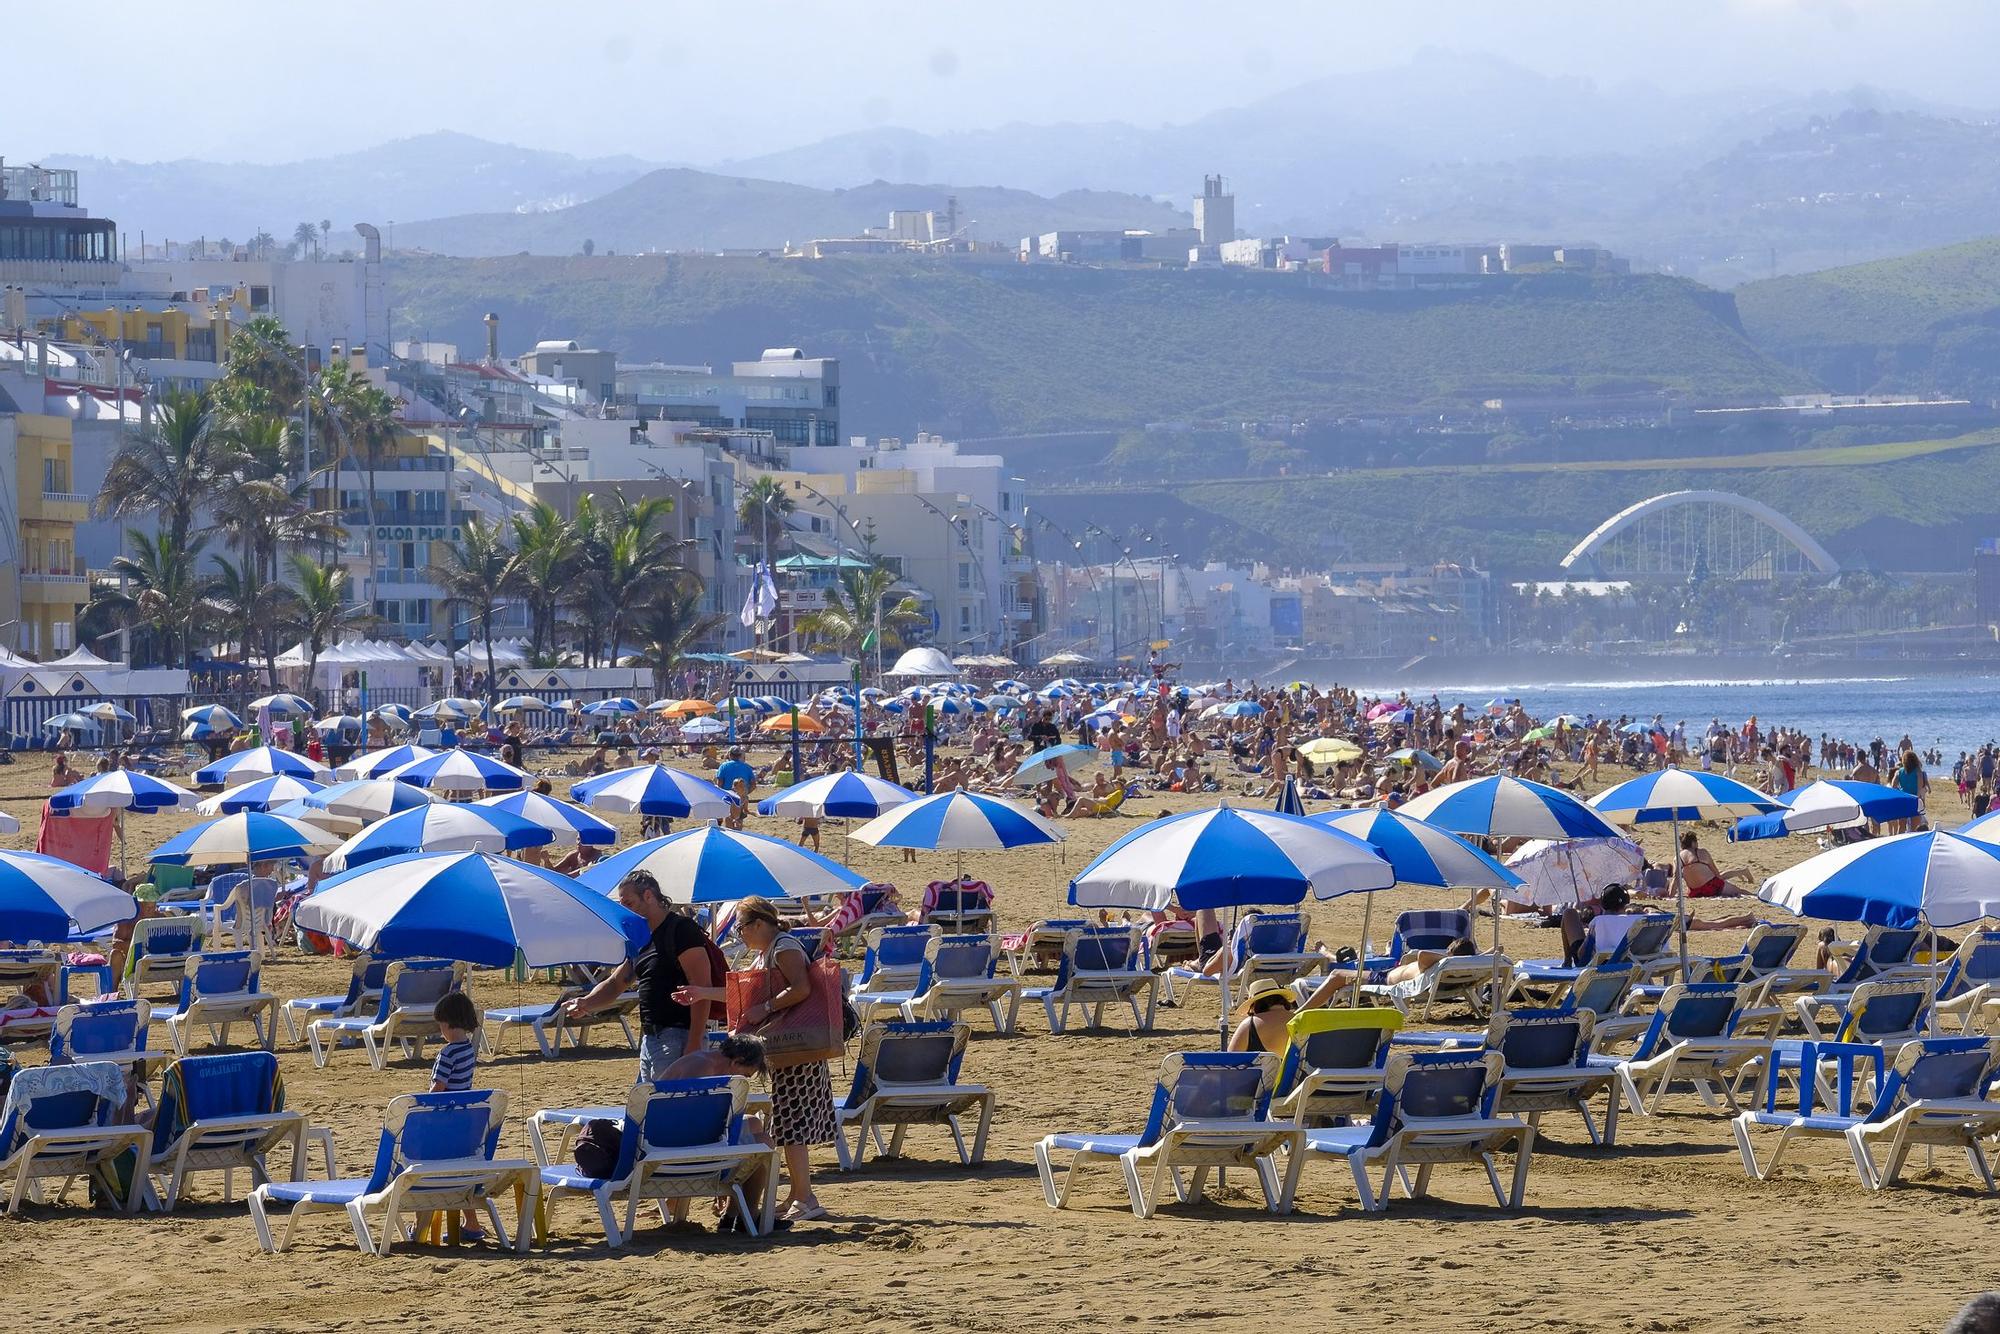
{"x":1950,"y":713}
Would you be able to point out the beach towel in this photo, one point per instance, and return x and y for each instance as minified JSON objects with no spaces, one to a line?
{"x":81,"y":840}
{"x":100,"y":1078}
{"x":977,"y":889}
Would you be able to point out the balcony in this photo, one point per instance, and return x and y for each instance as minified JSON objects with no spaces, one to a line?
{"x":40,"y":585}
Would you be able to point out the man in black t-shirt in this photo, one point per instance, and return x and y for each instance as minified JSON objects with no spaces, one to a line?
{"x":1043,"y":732}
{"x":676,"y":956}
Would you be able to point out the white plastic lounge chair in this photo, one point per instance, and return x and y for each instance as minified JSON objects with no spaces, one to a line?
{"x":1648,"y":942}
{"x":1766,"y":954}
{"x":1693,"y":1036}
{"x":1468,"y":979}
{"x":1545,"y":1065}
{"x":1934,"y":1094}
{"x":963,"y":973}
{"x":405,"y":1012}
{"x":1334,"y":1064}
{"x":1209,"y":1110}
{"x":1041,"y":944}
{"x":1432,"y":929}
{"x":1100,"y":965}
{"x":220,"y":989}
{"x":1436,"y":1107}
{"x":1882,"y":952}
{"x":111,"y":1030}
{"x":1885,"y":1013}
{"x":160,"y":949}
{"x":1969,"y":981}
{"x":550,"y":1024}
{"x":890,"y":969}
{"x":364,"y":989}
{"x":907,"y":1074}
{"x":1263,"y":945}
{"x":681,"y":1139}
{"x":60,"y":1122}
{"x":220,"y":1113}
{"x":436,"y":1154}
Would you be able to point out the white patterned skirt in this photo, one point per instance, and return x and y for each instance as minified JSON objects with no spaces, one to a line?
{"x":802,"y":1105}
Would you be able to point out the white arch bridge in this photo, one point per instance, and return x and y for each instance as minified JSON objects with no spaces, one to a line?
{"x":1733,"y":536}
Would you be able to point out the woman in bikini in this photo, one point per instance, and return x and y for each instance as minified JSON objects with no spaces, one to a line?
{"x":1704,"y":880}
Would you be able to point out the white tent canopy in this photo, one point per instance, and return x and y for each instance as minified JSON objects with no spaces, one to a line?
{"x":82,"y":659}
{"x":924,"y":661}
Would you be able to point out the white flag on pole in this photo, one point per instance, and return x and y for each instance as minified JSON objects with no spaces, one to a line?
{"x":767,"y":592}
{"x":749,"y":616}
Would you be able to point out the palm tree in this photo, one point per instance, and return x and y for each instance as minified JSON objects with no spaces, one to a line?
{"x":253,"y":607}
{"x":319,"y":607}
{"x":163,"y":592}
{"x":169,"y":470}
{"x":545,"y":549}
{"x":857,"y":609}
{"x":325,"y":234}
{"x":262,"y":244}
{"x":306,"y":237}
{"x":671,"y":624}
{"x":763,"y":510}
{"x":472,"y":576}
{"x":360,"y":422}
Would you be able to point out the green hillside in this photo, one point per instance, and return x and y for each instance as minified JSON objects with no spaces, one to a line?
{"x":1902,"y":506}
{"x":1927,"y":322}
{"x":992,"y":348}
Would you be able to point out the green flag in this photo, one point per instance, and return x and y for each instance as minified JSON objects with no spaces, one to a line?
{"x":868,"y":641}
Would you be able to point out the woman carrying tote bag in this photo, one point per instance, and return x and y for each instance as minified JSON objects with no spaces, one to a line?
{"x":801,"y":1089}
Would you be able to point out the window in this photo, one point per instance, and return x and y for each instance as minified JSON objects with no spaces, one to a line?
{"x":964,"y":618}
{"x":409,"y":555}
{"x":964,"y":575}
{"x":420,"y":611}
{"x":64,"y":632}
{"x":388,"y":610}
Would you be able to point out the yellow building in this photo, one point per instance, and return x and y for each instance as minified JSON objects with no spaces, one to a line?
{"x":41,"y":602}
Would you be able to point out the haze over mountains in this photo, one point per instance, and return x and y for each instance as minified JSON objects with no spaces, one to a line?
{"x":1720,"y":187}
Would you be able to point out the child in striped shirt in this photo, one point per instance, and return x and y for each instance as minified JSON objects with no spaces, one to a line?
{"x":457,"y":1021}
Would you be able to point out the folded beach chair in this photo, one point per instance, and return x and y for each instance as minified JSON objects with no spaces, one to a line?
{"x":963,"y":973}
{"x":364,"y":989}
{"x":404,"y":1012}
{"x":220,"y":989}
{"x":1649,"y":943}
{"x":549,"y":1024}
{"x":436,"y":1154}
{"x":907,"y":1074}
{"x":1469,"y":979}
{"x":680,"y":1139}
{"x":1545,"y":1057}
{"x":1436,"y":1107}
{"x":1209,"y":1110}
{"x":1969,"y":980}
{"x":220,"y":1114}
{"x":1692,"y":1036}
{"x":62,"y":1121}
{"x":1334,"y":1064}
{"x":890,"y":968}
{"x":1934,"y":1094}
{"x":160,"y":949}
{"x":1100,"y":965}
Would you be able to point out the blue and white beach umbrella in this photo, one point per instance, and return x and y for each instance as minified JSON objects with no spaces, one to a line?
{"x":442,"y":826}
{"x":122,"y":790}
{"x":616,"y":705}
{"x":1942,"y":878}
{"x":461,"y":771}
{"x":568,"y":825}
{"x":1826,"y":804}
{"x":655,"y":789}
{"x":521,"y":704}
{"x":1041,"y":766}
{"x":107,"y":712}
{"x":261,"y":795}
{"x":212,"y":715}
{"x":476,"y":907}
{"x":716,"y":865}
{"x":1227,"y":857}
{"x":1420,"y":853}
{"x":43,"y":899}
{"x":1678,"y":796}
{"x":247,"y":766}
{"x":958,"y":821}
{"x":741,"y":703}
{"x":283,"y":706}
{"x":1243,"y":708}
{"x":848,"y":795}
{"x":340,"y":722}
{"x":243,"y":839}
{"x":395,"y":714}
{"x":1505,"y":807}
{"x":368,"y":799}
{"x":380,"y":763}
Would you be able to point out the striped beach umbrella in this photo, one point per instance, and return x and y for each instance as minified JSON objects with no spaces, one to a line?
{"x":442,"y":826}
{"x":45,"y":899}
{"x":569,"y":825}
{"x":1504,"y":807}
{"x":212,"y":715}
{"x":461,"y":771}
{"x":247,"y":766}
{"x":1935,"y":877}
{"x":473,"y":906}
{"x":617,"y":704}
{"x":379,"y":763}
{"x":716,"y":865}
{"x":368,"y":799}
{"x":261,"y":795}
{"x":241,"y":840}
{"x":283,"y":706}
{"x":1224,"y":858}
{"x":848,"y":795}
{"x":655,"y":789}
{"x":958,"y":821}
{"x":122,"y":790}
{"x":1421,"y":854}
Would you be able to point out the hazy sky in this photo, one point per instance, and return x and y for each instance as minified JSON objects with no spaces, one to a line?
{"x":274,"y":80}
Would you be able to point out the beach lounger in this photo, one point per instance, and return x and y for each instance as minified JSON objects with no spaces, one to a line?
{"x":111,"y":1030}
{"x":1545,"y":1065}
{"x":160,"y":949}
{"x":1334,"y":1064}
{"x":436,"y":1153}
{"x":1968,"y":982}
{"x":24,"y":975}
{"x":220,"y":1113}
{"x":890,"y":968}
{"x":907,"y":1074}
{"x":1693,"y":1036}
{"x":220,"y":989}
{"x":1766,"y":952}
{"x":60,"y":1122}
{"x":1604,"y":992}
{"x":1436,"y":1107}
{"x":1100,"y":965}
{"x":1041,"y":945}
{"x":549,"y":1024}
{"x":681,"y":1139}
{"x":958,"y":910}
{"x":404,"y":1012}
{"x":1264,"y":945}
{"x":1881,"y":952}
{"x":962,"y":973}
{"x":1934,"y":1094}
{"x":364,"y":989}
{"x":1433,"y":929}
{"x":1648,"y":943}
{"x":1209,"y":1110}
{"x":1885,"y":1011}
{"x":1468,"y":979}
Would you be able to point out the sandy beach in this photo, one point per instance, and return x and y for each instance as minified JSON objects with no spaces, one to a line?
{"x":1664,"y":1232}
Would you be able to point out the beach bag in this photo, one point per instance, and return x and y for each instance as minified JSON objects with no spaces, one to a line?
{"x":812,"y":1030}
{"x":596,"y":1148}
